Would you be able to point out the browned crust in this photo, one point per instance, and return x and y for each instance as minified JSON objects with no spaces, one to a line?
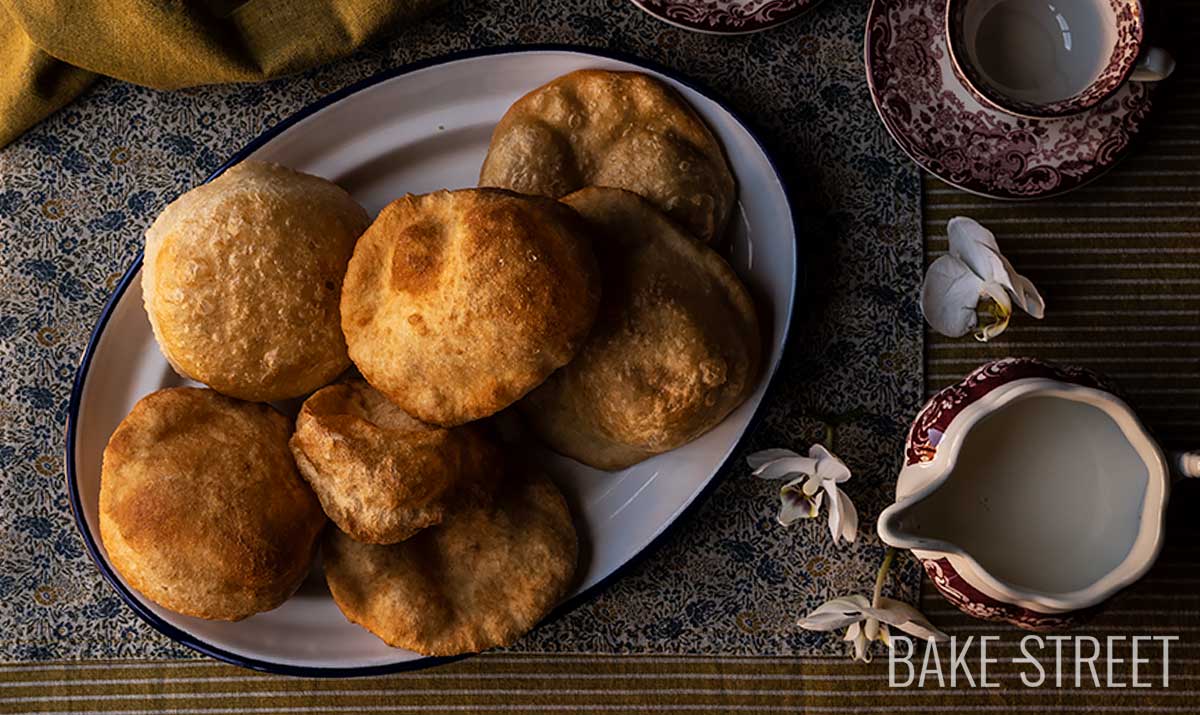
{"x":242,"y":278}
{"x":675,"y":347}
{"x":480,"y":579}
{"x":381,"y":475}
{"x":457,"y":303}
{"x":619,"y":129}
{"x":201,"y":508}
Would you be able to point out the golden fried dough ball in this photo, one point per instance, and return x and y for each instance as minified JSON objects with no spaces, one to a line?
{"x":482,"y":578}
{"x":242,"y":277}
{"x":201,"y":508}
{"x":675,"y":347}
{"x":381,"y":475}
{"x":619,"y":129}
{"x":457,"y":303}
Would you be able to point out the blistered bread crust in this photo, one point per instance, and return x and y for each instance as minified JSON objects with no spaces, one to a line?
{"x":457,"y":303}
{"x":675,"y":347}
{"x":201,"y":508}
{"x":618,"y":129}
{"x":242,"y":276}
{"x":480,"y":579}
{"x":381,"y":475}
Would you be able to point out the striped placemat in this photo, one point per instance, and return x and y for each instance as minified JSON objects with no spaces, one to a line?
{"x":1118,"y":262}
{"x":1163,"y":604}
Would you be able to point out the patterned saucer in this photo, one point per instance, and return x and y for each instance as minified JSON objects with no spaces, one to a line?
{"x":726,"y":17}
{"x":950,"y":134}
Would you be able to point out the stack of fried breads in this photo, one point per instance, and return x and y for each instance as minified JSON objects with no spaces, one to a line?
{"x":581,"y":284}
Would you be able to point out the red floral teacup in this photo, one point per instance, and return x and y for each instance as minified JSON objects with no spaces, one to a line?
{"x":1031,"y":493}
{"x":1043,"y":58}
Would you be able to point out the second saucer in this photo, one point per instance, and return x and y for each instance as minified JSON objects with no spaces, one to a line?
{"x":947,"y":131}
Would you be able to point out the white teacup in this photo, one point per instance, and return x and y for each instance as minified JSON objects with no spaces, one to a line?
{"x":1050,"y":58}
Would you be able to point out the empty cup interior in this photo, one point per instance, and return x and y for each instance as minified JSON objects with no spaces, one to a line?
{"x":1039,"y":51}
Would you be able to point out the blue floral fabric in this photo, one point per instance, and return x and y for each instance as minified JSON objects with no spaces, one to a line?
{"x":77,"y":192}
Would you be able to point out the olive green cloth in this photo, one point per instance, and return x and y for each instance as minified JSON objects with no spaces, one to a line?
{"x":51,"y":50}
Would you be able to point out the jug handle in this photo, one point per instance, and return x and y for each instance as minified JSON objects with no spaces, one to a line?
{"x":1186,"y":465}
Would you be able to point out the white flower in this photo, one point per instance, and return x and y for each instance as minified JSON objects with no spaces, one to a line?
{"x":811,"y":478}
{"x":866,"y":621}
{"x":975,"y":280}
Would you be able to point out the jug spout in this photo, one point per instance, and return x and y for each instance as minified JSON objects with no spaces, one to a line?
{"x":1030,"y":493}
{"x":900,"y":527}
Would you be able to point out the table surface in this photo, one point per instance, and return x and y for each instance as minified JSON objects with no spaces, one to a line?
{"x":1119,"y":264}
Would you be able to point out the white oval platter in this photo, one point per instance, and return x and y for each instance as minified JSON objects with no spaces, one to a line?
{"x":417,"y":129}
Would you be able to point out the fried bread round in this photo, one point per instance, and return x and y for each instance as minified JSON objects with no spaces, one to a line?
{"x":675,"y":347}
{"x":242,"y":277}
{"x":457,"y":303}
{"x":480,"y":579}
{"x":619,"y":129}
{"x":201,"y":508}
{"x":381,"y":475}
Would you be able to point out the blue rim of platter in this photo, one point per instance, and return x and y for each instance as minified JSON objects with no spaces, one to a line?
{"x":570,"y":604}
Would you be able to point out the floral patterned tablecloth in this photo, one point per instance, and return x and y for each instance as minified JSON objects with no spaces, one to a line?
{"x":77,"y":192}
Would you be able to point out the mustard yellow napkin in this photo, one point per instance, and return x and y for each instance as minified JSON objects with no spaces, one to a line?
{"x":51,"y":50}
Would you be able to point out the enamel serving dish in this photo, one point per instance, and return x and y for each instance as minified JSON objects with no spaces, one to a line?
{"x":416,"y":129}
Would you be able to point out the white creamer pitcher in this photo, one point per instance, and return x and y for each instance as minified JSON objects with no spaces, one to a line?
{"x":1031,"y":493}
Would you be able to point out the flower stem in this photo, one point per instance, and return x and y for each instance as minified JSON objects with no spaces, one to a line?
{"x":829,"y":437}
{"x":882,"y":576}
